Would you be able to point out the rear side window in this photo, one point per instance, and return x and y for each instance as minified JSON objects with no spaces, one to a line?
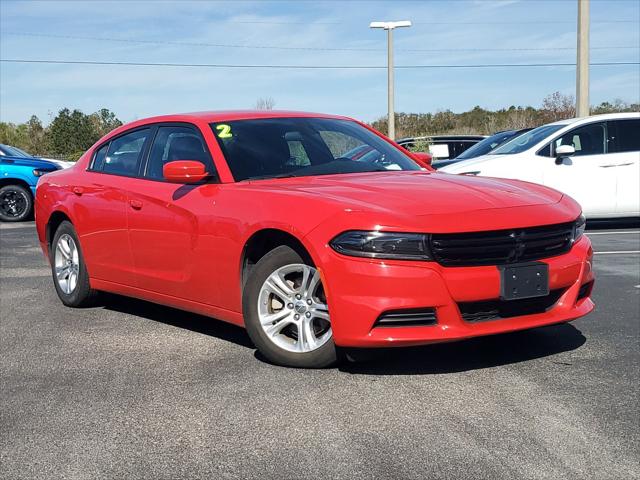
{"x":624,"y":135}
{"x":125,"y":153}
{"x":587,"y":140}
{"x":98,"y":159}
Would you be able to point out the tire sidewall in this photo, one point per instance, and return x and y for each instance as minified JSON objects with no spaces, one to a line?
{"x":323,"y":357}
{"x":83,"y":290}
{"x":28,"y":197}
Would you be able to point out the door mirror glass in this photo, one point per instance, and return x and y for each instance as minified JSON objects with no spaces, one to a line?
{"x":184,"y":171}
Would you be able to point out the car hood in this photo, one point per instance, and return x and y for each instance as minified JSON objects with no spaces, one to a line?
{"x":29,"y":162}
{"x":473,"y":164}
{"x":417,"y":193}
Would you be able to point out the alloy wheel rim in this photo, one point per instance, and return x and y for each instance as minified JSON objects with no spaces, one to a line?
{"x":13,"y":204}
{"x":66,"y":263}
{"x":292,"y":309}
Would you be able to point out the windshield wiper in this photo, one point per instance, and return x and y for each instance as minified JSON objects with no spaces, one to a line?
{"x":267,"y":177}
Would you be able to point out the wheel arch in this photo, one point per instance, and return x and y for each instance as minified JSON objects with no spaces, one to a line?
{"x":262,"y":242}
{"x":54,"y":221}
{"x":15,"y":181}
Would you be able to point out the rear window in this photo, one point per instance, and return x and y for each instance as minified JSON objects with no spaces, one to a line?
{"x":624,"y":135}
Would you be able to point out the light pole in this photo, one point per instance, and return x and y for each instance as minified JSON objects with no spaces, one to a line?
{"x":389,"y":27}
{"x":582,"y":67}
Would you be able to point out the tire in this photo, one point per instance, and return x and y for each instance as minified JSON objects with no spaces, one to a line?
{"x":300,"y":329}
{"x":70,"y":276}
{"x":16,"y":203}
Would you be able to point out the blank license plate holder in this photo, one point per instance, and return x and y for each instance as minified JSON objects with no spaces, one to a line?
{"x":524,"y":280}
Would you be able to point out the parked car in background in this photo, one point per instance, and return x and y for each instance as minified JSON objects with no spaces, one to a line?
{"x":442,"y":147}
{"x":483,"y":147}
{"x":595,"y":160}
{"x":18,"y":178}
{"x":313,"y":232}
{"x":15,"y":152}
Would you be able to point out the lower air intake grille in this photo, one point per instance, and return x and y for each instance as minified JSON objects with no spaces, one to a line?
{"x":585,"y":290}
{"x":496,"y":309}
{"x":407,"y":318}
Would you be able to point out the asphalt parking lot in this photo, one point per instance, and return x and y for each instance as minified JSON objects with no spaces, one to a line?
{"x":133,"y":390}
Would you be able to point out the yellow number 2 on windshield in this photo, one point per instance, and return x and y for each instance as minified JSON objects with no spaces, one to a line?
{"x":224,"y":131}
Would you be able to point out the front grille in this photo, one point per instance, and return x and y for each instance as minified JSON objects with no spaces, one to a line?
{"x":501,"y":247}
{"x":407,"y":318}
{"x":496,"y":309}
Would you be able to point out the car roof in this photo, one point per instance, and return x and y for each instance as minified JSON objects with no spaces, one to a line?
{"x":604,"y":116}
{"x":219,"y":116}
{"x":229,"y":115}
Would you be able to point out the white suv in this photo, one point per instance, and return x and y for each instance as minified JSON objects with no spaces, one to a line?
{"x":595,"y":160}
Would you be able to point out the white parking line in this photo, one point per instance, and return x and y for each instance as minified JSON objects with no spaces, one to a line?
{"x":612,"y":233}
{"x":617,"y":252}
{"x":14,"y":225}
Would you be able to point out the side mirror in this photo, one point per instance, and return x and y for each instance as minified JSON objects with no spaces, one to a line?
{"x":423,"y":158}
{"x":184,"y":171}
{"x":562,"y":152}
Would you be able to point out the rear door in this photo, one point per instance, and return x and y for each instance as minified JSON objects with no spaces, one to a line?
{"x":586,"y":176}
{"x":624,"y":160}
{"x":104,"y":236}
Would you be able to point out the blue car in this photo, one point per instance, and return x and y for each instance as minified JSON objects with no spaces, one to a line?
{"x":18,"y":179}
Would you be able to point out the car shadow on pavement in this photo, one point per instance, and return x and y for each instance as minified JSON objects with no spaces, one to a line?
{"x":472,"y":354}
{"x":440,"y":358}
{"x":176,"y":318}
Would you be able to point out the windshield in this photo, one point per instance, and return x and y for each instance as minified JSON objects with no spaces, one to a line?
{"x":300,"y":147}
{"x":14,"y":152}
{"x":486,"y":145}
{"x":527,"y":140}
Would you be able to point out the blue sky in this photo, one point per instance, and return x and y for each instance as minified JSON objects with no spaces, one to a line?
{"x":444,"y":32}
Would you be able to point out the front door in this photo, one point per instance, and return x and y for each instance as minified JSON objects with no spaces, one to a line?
{"x":170,"y":227}
{"x":585,"y":175}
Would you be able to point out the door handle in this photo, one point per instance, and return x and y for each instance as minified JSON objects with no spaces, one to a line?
{"x":616,"y":165}
{"x":135,"y":204}
{"x":77,"y":190}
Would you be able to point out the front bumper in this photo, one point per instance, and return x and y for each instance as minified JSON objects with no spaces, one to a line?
{"x":360,"y":290}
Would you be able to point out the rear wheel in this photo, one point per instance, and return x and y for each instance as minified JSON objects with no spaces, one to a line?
{"x":70,"y":276}
{"x":286,"y":312}
{"x":16,"y":203}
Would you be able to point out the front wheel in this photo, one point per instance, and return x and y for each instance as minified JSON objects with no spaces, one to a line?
{"x":286,"y":313}
{"x":16,"y":203}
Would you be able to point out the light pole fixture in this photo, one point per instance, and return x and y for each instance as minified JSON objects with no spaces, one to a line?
{"x":389,"y":27}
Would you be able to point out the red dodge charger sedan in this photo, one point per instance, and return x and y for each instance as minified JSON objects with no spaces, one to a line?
{"x":275,"y":221}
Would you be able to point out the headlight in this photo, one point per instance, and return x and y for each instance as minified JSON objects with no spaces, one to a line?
{"x":578,"y":227}
{"x":39,"y":173}
{"x":399,"y":246}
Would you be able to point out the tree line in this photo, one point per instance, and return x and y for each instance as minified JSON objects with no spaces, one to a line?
{"x":480,"y":121}
{"x":71,"y":133}
{"x":67,"y":137}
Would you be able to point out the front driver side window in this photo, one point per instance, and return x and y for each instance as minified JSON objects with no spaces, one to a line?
{"x":176,"y":143}
{"x":587,"y":140}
